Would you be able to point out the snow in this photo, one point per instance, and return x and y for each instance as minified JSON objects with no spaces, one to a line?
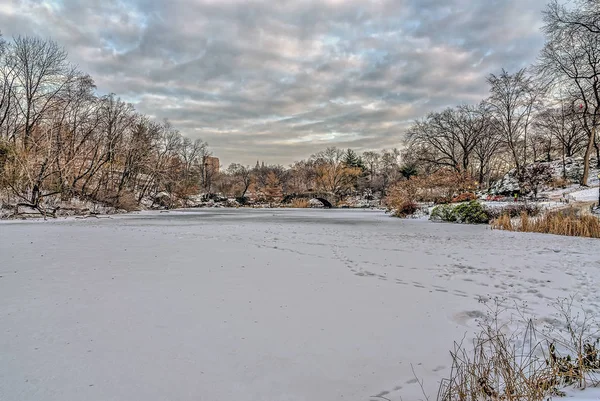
{"x":589,"y":394}
{"x":586,"y":195}
{"x":254,"y":304}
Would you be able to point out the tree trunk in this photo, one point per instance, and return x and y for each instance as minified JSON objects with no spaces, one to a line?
{"x":597,"y":151}
{"x":481,"y":175}
{"x":586,"y":158}
{"x":564,"y":165}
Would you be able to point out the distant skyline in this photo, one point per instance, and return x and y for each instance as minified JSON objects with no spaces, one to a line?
{"x":278,"y":80}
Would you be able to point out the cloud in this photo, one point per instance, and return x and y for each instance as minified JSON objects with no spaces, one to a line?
{"x":279,"y":80}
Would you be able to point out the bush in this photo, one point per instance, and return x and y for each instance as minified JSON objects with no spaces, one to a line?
{"x":464,"y":197}
{"x":469,"y":213}
{"x":559,"y":183}
{"x":535,"y":176}
{"x":443,"y":213}
{"x":127,"y":201}
{"x":440,"y":188}
{"x":405,"y":209}
{"x":472,"y":212}
{"x":442,"y":200}
{"x":513,"y":210}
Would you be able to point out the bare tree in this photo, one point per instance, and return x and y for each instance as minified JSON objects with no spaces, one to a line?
{"x":41,"y":73}
{"x":582,"y":14}
{"x":7,"y":78}
{"x":332,"y":174}
{"x":242,"y":175}
{"x":390,"y":168}
{"x":570,"y":60}
{"x":512,"y":102}
{"x":301,"y":176}
{"x":449,"y":138}
{"x":193,"y":154}
{"x":372,"y":162}
{"x":489,"y":145}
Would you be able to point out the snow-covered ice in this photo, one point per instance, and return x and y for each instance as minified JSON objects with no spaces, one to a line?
{"x":260,"y":304}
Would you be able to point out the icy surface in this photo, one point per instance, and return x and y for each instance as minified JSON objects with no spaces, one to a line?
{"x":260,"y":304}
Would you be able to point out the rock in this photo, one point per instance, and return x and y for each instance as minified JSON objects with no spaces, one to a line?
{"x":232,"y":203}
{"x":573,"y":171}
{"x":315,"y":203}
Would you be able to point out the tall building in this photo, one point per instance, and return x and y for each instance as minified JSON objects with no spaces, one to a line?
{"x":211,"y":169}
{"x":211,"y":164}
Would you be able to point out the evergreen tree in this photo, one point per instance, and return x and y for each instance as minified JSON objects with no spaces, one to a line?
{"x":351,"y":159}
{"x":408,"y":170}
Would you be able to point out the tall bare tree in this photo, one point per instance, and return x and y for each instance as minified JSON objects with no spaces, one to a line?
{"x":512,"y":102}
{"x":7,"y":79}
{"x":581,"y":14}
{"x":448,"y":139}
{"x":41,"y":73}
{"x":570,"y":60}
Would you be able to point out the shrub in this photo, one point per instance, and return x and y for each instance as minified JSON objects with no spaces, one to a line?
{"x":126,"y":201}
{"x":534,"y":176}
{"x":559,"y":183}
{"x":469,"y":213}
{"x":440,"y":187}
{"x":513,"y":210}
{"x":448,"y":184}
{"x":472,"y":212}
{"x":405,"y":209}
{"x":442,"y":200}
{"x":464,"y":197}
{"x":443,"y":213}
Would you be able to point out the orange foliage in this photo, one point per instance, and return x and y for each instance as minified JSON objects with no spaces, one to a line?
{"x":439,"y":187}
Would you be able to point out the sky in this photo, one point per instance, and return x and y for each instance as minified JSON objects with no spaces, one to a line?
{"x":278,"y":80}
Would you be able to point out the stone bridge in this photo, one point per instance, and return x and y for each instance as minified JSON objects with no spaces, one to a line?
{"x":327,"y":199}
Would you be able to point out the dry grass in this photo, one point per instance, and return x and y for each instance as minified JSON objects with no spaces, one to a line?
{"x":559,"y":183}
{"x":519,"y":367}
{"x":569,"y":222}
{"x":127,"y":201}
{"x":300,"y":203}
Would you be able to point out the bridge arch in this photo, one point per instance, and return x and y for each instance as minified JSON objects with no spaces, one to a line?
{"x":328,"y":200}
{"x":325,"y":202}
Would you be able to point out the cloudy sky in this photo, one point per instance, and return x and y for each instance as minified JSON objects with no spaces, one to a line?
{"x":278,"y":80}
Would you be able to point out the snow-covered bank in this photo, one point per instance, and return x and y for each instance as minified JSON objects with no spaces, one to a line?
{"x":259,"y":304}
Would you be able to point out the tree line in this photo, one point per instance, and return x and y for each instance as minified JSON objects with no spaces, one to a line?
{"x":335,"y":171}
{"x":546,"y":112}
{"x":60,"y":139}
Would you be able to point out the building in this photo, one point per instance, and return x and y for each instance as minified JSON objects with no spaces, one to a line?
{"x":211,"y":164}
{"x":210,"y":171}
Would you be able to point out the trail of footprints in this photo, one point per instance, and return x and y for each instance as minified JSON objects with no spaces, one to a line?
{"x":358,"y":271}
{"x":361,"y":272}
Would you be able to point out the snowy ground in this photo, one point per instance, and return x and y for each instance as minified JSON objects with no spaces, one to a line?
{"x":262,"y":305}
{"x":585,"y":195}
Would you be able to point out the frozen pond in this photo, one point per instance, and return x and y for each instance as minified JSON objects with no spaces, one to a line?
{"x":259,"y":305}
